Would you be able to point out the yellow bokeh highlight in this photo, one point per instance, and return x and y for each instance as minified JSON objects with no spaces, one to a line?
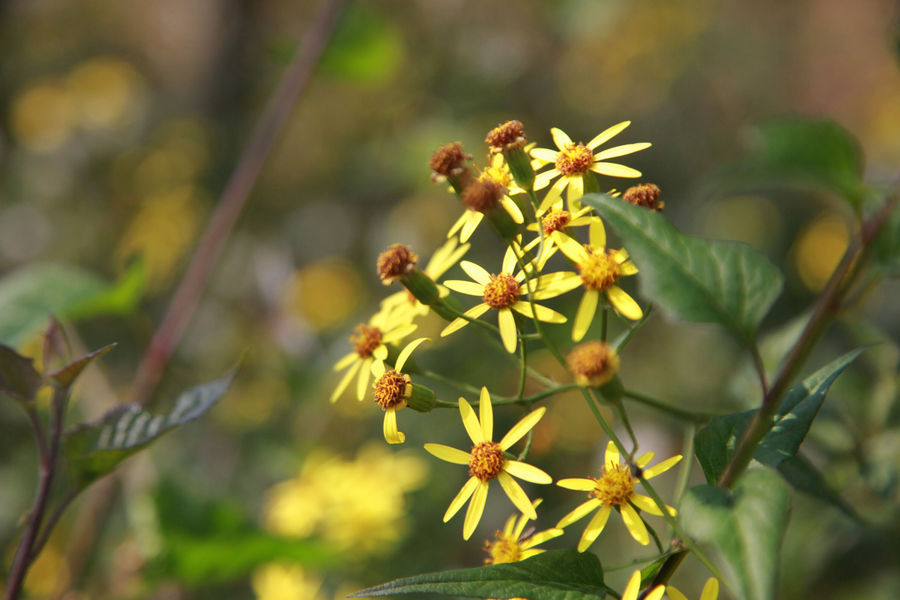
{"x":818,"y":250}
{"x":355,"y":503}
{"x":323,"y":294}
{"x":278,"y":581}
{"x":48,"y":574}
{"x":42,"y":117}
{"x":104,"y":92}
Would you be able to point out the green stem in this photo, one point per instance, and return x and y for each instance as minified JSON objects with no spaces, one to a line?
{"x":523,"y":356}
{"x":627,"y":335}
{"x":497,"y":400}
{"x":680,"y":413}
{"x":604,"y":322}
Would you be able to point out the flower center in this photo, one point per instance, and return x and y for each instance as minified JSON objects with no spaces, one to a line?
{"x":392,"y":389}
{"x":593,"y":363}
{"x":365,"y":339}
{"x":555,"y":221}
{"x":501,"y":291}
{"x":503,"y":550}
{"x":506,"y":135}
{"x":487,"y":460}
{"x":499,"y":175}
{"x":395,"y":262}
{"x":574,"y":159}
{"x":600,"y":270}
{"x":615,"y":486}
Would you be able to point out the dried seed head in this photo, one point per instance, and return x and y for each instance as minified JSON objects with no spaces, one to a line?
{"x":395,"y":262}
{"x":449,"y":164}
{"x":506,"y":136}
{"x":644,"y":194}
{"x":593,"y":363}
{"x":483,"y":196}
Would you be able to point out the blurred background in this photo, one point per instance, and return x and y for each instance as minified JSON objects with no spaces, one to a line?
{"x":120,"y":123}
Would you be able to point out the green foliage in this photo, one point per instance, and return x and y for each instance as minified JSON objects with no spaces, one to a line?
{"x":92,"y":450}
{"x":553,"y":575}
{"x":18,"y":377}
{"x":887,"y":245}
{"x":745,"y":526}
{"x":365,"y":48}
{"x":695,"y":279}
{"x":32,"y":293}
{"x":66,"y":375}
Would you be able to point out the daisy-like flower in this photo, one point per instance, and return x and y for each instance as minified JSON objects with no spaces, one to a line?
{"x":572,"y":163}
{"x":598,"y":269}
{"x":369,"y":345}
{"x":633,"y":588}
{"x":493,"y":187}
{"x":509,"y":545}
{"x":487,"y":461}
{"x":556,"y":222}
{"x":394,"y":389}
{"x":710,"y":591}
{"x":615,"y":489}
{"x":504,"y":292}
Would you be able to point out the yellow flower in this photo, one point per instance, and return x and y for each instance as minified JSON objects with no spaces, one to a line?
{"x":557,"y":221}
{"x":369,"y":346}
{"x":277,"y":581}
{"x":634,"y":587}
{"x":493,"y":185}
{"x":573,"y":162}
{"x":393,"y":388}
{"x":504,"y":292}
{"x":486,"y":461}
{"x":615,"y":488}
{"x":509,"y":545}
{"x":710,"y":591}
{"x":598,"y":269}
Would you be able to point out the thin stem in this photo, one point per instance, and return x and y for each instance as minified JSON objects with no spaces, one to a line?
{"x":679,"y":413}
{"x":497,"y":400}
{"x":523,"y":356}
{"x":604,"y":323}
{"x":462,"y":386}
{"x":528,"y":439}
{"x":636,"y":561}
{"x":620,"y":408}
{"x":39,"y":437}
{"x":243,"y":178}
{"x":51,"y":523}
{"x":627,"y":335}
{"x":684,"y":473}
{"x":760,"y":369}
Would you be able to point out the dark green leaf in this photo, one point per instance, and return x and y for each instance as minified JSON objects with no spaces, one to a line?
{"x":745,"y":527}
{"x":695,"y":279}
{"x":804,"y":477}
{"x":553,"y":575}
{"x":715,"y":443}
{"x":887,"y":245}
{"x":18,"y":377}
{"x":66,"y":375}
{"x":95,"y":449}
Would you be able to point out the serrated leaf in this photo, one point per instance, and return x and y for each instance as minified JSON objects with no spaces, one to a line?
{"x":30,"y":294}
{"x":66,"y":375}
{"x":95,"y":449}
{"x":694,"y":279}
{"x":553,"y":575}
{"x":18,"y":377}
{"x":745,"y":526}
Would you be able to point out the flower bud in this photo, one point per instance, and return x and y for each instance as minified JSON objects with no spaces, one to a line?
{"x":395,"y":262}
{"x":449,"y":164}
{"x":593,"y":363}
{"x":644,"y":194}
{"x":509,"y":139}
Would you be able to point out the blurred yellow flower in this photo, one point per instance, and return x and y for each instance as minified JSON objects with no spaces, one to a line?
{"x":509,"y":545}
{"x":42,"y":116}
{"x":324,"y":293}
{"x":819,"y":249}
{"x":278,"y":581}
{"x":105,"y":91}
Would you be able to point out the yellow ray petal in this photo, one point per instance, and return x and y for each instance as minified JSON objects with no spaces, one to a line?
{"x":644,"y":459}
{"x":553,"y":196}
{"x":661,"y":467}
{"x":396,"y":334}
{"x":646,"y":504}
{"x":542,"y":180}
{"x":363,"y":380}
{"x":560,"y":138}
{"x":380,"y":352}
{"x":470,"y":288}
{"x":464,"y":494}
{"x":457,"y":225}
{"x":710,"y":590}
{"x":486,"y":414}
{"x":614,"y":170}
{"x":513,"y":209}
{"x":470,"y":421}
{"x":478,"y":273}
{"x":634,"y":524}
{"x":576,"y":188}
{"x":621,"y":151}
{"x":624,"y":303}
{"x":519,"y":526}
{"x":555,"y":284}
{"x":577,"y":483}
{"x":633,"y":587}
{"x":458,"y":323}
{"x":541,"y":537}
{"x":656,"y":593}
{"x":516,"y":495}
{"x":391,"y":434}
{"x":580,"y":512}
{"x":526,"y":472}
{"x":545,"y":155}
{"x":674,"y":594}
{"x":611,"y":458}
{"x":345,"y":381}
{"x":594,"y":528}
{"x":597,"y":234}
{"x":572,"y":249}
{"x":507,"y":324}
{"x":510,"y":525}
{"x":377,"y":368}
{"x":473,"y":219}
{"x":628,"y":268}
{"x":541,"y":313}
{"x":523,"y":426}
{"x":607,"y":134}
{"x":451,"y":455}
{"x":509,"y":261}
{"x":407,"y":351}
{"x":584,"y":316}
{"x":345,"y":361}
{"x":476,"y":508}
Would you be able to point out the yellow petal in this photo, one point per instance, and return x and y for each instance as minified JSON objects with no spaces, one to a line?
{"x":345,"y":381}
{"x":674,"y":594}
{"x":545,"y":155}
{"x":594,"y":528}
{"x":476,"y":508}
{"x":391,"y":434}
{"x":580,"y":512}
{"x":611,"y":459}
{"x":661,"y":467}
{"x":473,"y":219}
{"x":628,"y":268}
{"x":526,"y":472}
{"x":644,"y":459}
{"x":576,"y":188}
{"x":646,"y":504}
{"x":577,"y":483}
{"x":584,"y":316}
{"x":634,"y":524}
{"x":451,"y":455}
{"x":458,"y":323}
{"x":513,"y":209}
{"x":345,"y":361}
{"x":457,"y":225}
{"x":486,"y":414}
{"x":470,"y":422}
{"x":624,"y":303}
{"x":526,"y":554}
{"x":407,"y":351}
{"x":509,"y":261}
{"x":656,"y":593}
{"x":607,"y":134}
{"x":621,"y":150}
{"x":560,"y":138}
{"x":542,"y":180}
{"x":380,"y":352}
{"x":633,"y":587}
{"x":556,"y":284}
{"x":515,"y":531}
{"x":522,"y":427}
{"x":507,"y":324}
{"x":541,"y":537}
{"x":542,"y":313}
{"x":363,"y":380}
{"x":572,"y":249}
{"x":464,"y":494}
{"x":470,"y":288}
{"x":597,"y":234}
{"x":553,"y":196}
{"x":614,"y":170}
{"x":516,"y":495}
{"x":395,"y":335}
{"x":710,"y":590}
{"x":476,"y":272}
{"x":377,"y":368}
{"x":510,"y":525}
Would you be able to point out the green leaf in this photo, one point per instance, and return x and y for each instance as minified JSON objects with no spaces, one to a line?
{"x":18,"y":377}
{"x":32,"y":293}
{"x":366,"y":47}
{"x":715,"y":443}
{"x":553,"y":575}
{"x":745,"y":526}
{"x":695,"y":279}
{"x":95,"y":449}
{"x":805,"y":477}
{"x":66,"y":375}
